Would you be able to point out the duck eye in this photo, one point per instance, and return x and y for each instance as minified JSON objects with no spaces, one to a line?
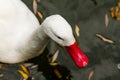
{"x":59,"y":37}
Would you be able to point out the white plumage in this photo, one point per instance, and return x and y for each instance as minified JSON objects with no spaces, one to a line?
{"x":21,"y":35}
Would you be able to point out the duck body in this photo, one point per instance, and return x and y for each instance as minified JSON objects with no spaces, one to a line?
{"x":22,"y":37}
{"x":19,"y":27}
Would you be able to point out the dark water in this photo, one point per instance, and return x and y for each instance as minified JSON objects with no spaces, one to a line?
{"x":89,"y":15}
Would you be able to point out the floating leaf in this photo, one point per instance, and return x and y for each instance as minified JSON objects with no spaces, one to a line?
{"x":90,"y":75}
{"x":40,"y":14}
{"x":77,"y":30}
{"x":25,"y":69}
{"x":115,"y":11}
{"x":35,"y":6}
{"x":55,"y":56}
{"x":106,"y":20}
{"x":53,"y":64}
{"x":112,"y":12}
{"x":25,"y":76}
{"x":104,"y":39}
{"x":28,"y":64}
{"x":34,"y":66}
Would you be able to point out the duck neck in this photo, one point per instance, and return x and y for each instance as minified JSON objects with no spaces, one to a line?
{"x":43,"y":37}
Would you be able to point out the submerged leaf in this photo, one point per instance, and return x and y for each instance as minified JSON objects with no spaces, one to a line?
{"x":58,"y":74}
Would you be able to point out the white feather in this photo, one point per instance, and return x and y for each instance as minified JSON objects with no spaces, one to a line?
{"x":22,"y":37}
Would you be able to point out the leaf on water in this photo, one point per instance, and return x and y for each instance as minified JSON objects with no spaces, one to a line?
{"x":77,"y":30}
{"x":115,"y":11}
{"x":35,"y":6}
{"x":24,"y":75}
{"x":55,"y":56}
{"x":28,"y":64}
{"x":25,"y":70}
{"x":104,"y":39}
{"x":34,"y":66}
{"x":106,"y":20}
{"x":40,"y":14}
{"x":53,"y":64}
{"x":90,"y":75}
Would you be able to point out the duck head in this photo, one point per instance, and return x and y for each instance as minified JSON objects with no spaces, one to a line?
{"x":59,"y":30}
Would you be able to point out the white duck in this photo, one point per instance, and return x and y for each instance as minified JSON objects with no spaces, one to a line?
{"x":22,"y":37}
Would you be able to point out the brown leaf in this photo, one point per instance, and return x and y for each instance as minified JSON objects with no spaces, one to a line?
{"x":40,"y":14}
{"x":106,"y":20}
{"x":1,"y":65}
{"x":35,"y":6}
{"x":58,"y":74}
{"x":104,"y":39}
{"x":77,"y":30}
{"x":90,"y":75}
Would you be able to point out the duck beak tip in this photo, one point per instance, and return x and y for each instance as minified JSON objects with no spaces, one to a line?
{"x":79,"y":58}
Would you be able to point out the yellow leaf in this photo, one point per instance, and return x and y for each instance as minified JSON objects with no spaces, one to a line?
{"x":53,"y":64}
{"x":25,"y":69}
{"x":24,"y":75}
{"x":77,"y":30}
